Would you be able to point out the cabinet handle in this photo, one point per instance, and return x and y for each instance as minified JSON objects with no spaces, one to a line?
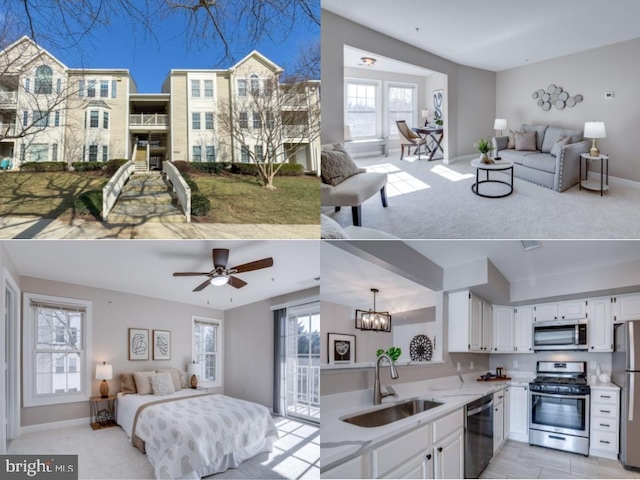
{"x":591,"y":347}
{"x":605,"y":411}
{"x":604,"y":425}
{"x":440,"y":449}
{"x":563,"y":317}
{"x":429,"y":457}
{"x":501,"y":396}
{"x":605,"y":396}
{"x":605,"y":441}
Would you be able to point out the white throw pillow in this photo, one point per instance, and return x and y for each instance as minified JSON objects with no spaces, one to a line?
{"x":162,"y":384}
{"x":143,"y":383}
{"x":175,"y":377}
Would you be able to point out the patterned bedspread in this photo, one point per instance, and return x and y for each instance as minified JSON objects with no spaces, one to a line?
{"x":185,"y":436}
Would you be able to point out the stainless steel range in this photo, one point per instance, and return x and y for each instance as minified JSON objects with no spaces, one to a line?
{"x":559,"y":416}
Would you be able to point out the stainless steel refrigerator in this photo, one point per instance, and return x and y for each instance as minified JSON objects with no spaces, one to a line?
{"x":626,"y":374}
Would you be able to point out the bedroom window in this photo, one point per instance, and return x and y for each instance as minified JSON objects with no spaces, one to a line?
{"x":402,"y":106}
{"x":206,"y":349}
{"x":56,"y":353}
{"x":362,"y":108}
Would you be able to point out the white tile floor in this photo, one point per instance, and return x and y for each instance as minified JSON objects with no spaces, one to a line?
{"x":520,"y":460}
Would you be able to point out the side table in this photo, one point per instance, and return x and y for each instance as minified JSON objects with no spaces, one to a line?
{"x":103,"y":417}
{"x":604,"y":173}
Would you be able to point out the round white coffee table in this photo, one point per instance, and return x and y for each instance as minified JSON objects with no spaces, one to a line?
{"x":491,"y":167}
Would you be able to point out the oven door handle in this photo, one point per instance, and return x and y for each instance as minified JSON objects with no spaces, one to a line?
{"x":560,"y":395}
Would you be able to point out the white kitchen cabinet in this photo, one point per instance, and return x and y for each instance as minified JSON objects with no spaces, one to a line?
{"x":475,"y":324}
{"x":502,"y":329}
{"x":519,"y":413}
{"x":545,"y":312}
{"x":626,"y":307}
{"x":449,"y":456}
{"x":487,"y":323}
{"x":600,"y":325}
{"x":605,"y":421}
{"x":405,"y":453}
{"x":498,"y":420}
{"x":350,"y":469}
{"x":572,"y":310}
{"x":522,"y":329}
{"x":466,"y":320}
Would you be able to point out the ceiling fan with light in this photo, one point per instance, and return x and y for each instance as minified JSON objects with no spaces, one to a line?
{"x":221,"y":275}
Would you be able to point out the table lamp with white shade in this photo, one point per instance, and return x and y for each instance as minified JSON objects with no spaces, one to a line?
{"x":499,"y":125}
{"x":193,"y":369}
{"x":594,"y":130}
{"x":425,"y":116}
{"x":104,"y":372}
{"x":347,"y":133}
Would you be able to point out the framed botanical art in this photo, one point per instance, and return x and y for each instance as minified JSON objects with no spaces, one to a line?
{"x":161,"y":345}
{"x":342,"y":349}
{"x":138,"y":344}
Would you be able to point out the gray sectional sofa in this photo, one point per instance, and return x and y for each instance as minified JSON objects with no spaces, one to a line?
{"x":559,"y":172}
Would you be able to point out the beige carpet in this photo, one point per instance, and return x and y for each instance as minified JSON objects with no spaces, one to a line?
{"x":108,"y":453}
{"x":433,"y":200}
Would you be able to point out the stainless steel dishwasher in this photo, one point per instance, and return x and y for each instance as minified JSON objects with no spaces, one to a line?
{"x":478,"y":436}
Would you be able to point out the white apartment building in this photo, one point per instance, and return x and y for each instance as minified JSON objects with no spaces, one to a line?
{"x":50,"y":112}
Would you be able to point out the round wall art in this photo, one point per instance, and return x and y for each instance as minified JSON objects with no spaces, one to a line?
{"x":556,"y":96}
{"x":420,"y":349}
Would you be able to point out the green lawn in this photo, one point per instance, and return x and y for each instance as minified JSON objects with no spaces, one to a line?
{"x":241,"y":199}
{"x":48,"y":195}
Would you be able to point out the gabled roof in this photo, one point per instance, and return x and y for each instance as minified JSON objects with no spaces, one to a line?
{"x":44,"y":51}
{"x":260,"y":57}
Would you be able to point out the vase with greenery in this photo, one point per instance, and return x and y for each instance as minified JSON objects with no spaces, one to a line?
{"x":393,"y":352}
{"x":484,"y":147}
{"x":439,"y":122}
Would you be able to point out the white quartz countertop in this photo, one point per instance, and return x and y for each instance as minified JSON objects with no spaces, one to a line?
{"x":341,"y":441}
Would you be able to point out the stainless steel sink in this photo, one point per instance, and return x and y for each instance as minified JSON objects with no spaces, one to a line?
{"x":393,"y":413}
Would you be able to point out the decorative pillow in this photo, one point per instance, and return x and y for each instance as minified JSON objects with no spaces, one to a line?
{"x":175,"y":377}
{"x":557,"y":147}
{"x":143,"y":383}
{"x":526,"y":141}
{"x":330,"y":230}
{"x":127,"y":383}
{"x":512,"y":139}
{"x":337,"y":167}
{"x":162,"y":384}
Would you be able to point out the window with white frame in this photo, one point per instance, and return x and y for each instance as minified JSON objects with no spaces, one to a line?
{"x":361,"y":106}
{"x":54,"y":152}
{"x":197,"y":154}
{"x":259,"y":151}
{"x":242,"y":87}
{"x":211,"y":153}
{"x":195,"y":121}
{"x":105,"y":153}
{"x":91,"y":88}
{"x":93,"y":153}
{"x":257,"y":121}
{"x":55,"y":350}
{"x":401,"y":104}
{"x":255,"y":84}
{"x":208,"y":121}
{"x":40,"y":118}
{"x":44,"y":80}
{"x":195,"y":88}
{"x":104,"y":88}
{"x":39,"y":152}
{"x":206,"y":349}
{"x":244,"y":120}
{"x":208,"y":88}
{"x":105,"y":119}
{"x":244,"y":154}
{"x":94,"y":118}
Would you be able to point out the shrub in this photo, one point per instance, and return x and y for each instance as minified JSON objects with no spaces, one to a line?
{"x":89,"y":203}
{"x":182,"y":166}
{"x":192,"y":185}
{"x":207,"y":167}
{"x":87,"y":166}
{"x":43,"y":167}
{"x":200,"y":205}
{"x":291,"y":170}
{"x":244,"y":169}
{"x":113,"y":165}
{"x":288,"y":169}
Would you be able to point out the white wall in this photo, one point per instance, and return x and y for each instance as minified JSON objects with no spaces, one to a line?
{"x":592,"y":73}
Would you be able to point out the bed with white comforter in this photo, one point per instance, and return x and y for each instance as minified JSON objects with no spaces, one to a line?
{"x":191,"y":435}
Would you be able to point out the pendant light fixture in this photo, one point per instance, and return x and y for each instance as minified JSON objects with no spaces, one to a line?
{"x":373,"y":320}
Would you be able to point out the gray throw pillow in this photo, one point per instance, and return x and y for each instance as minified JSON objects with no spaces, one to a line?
{"x":330,"y":229}
{"x":512,"y":139}
{"x":162,"y":384}
{"x":526,"y":141}
{"x":557,"y":147}
{"x":336,"y":167}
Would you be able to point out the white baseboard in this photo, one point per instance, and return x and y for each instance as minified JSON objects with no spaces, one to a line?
{"x":42,"y":427}
{"x":599,"y":453}
{"x":518,"y":438}
{"x":623,"y":182}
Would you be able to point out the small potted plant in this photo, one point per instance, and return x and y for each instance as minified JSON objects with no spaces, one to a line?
{"x":393,"y":352}
{"x":439,"y":122}
{"x":484,"y":147}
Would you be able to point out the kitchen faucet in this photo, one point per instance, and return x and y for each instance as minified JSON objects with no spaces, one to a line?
{"x":377,"y":392}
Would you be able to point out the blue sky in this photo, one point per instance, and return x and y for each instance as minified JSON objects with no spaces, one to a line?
{"x":149,"y":59}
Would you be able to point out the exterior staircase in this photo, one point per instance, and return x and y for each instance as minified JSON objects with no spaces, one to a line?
{"x":140,"y":162}
{"x":147,"y":197}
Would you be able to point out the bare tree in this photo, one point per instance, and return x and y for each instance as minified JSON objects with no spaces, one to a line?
{"x":271,"y":125}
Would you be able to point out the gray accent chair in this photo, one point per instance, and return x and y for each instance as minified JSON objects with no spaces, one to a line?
{"x":559,"y":172}
{"x":353,"y":191}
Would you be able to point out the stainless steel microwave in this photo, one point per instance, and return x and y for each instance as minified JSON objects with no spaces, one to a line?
{"x":560,"y":335}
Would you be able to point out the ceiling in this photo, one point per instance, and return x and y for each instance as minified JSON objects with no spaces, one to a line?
{"x":353,"y":58}
{"x":145,"y":267}
{"x":497,"y":34}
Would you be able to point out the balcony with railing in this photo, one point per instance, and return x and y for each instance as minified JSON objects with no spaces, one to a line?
{"x":295,"y":132}
{"x":306,"y":390}
{"x":295,"y":100}
{"x":149,"y":120}
{"x":7,"y":130}
{"x":8,"y":100}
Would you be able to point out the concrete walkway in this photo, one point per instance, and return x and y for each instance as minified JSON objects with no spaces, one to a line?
{"x":41,"y":228}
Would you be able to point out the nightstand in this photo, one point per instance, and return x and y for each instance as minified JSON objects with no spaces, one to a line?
{"x":103,"y":417}
{"x":604,"y":171}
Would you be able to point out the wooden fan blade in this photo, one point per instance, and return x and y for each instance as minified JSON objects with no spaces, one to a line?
{"x":203,"y":285}
{"x":236,"y":282}
{"x":257,"y":265}
{"x":220,"y":257}
{"x":189,"y":274}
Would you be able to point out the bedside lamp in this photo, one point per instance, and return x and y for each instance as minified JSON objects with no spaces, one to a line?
{"x":194,"y":370}
{"x":104,"y":372}
{"x":499,"y":125}
{"x":594,"y":130}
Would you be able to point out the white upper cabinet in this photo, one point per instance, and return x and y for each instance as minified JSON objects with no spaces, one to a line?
{"x":502,"y":329}
{"x":572,"y":310}
{"x":475,"y":324}
{"x":600,"y":324}
{"x":545,"y":312}
{"x":522,"y":329}
{"x":626,"y":307}
{"x":469,"y":323}
{"x":487,"y":326}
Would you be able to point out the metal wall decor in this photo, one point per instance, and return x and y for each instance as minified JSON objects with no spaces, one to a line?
{"x":555,"y":96}
{"x":420,"y":349}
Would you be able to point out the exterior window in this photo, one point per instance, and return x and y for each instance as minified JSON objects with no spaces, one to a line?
{"x":208,"y":121}
{"x":38,"y":152}
{"x":245,"y":155}
{"x":93,"y":153}
{"x":255,"y":84}
{"x":271,"y":123}
{"x":206,"y":349}
{"x":27,"y":84}
{"x":54,"y":152}
{"x":91,"y":89}
{"x":197,"y":154}
{"x":362,"y":113}
{"x":80,"y":88}
{"x":104,"y":88}
{"x":56,"y":119}
{"x":57,"y":366}
{"x":23,"y":152}
{"x":58,"y":85}
{"x":259,"y":153}
{"x":195,"y":121}
{"x":257,"y":122}
{"x":44,"y":80}
{"x":195,"y":88}
{"x":211,"y":154}
{"x":40,"y":118}
{"x":401,"y":106}
{"x":208,"y":88}
{"x":25,"y":119}
{"x":270,"y":156}
{"x":242,"y":87}
{"x":105,"y":153}
{"x":244,"y":120}
{"x":94,"y":118}
{"x":113,"y":88}
{"x":105,"y":120}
